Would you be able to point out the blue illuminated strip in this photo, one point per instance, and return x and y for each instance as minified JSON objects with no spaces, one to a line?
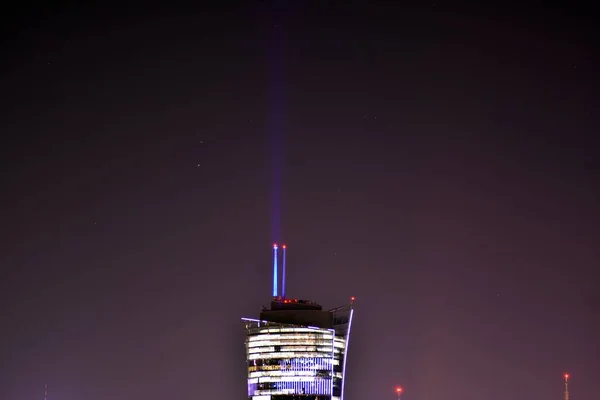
{"x":332,"y":361}
{"x":316,"y":387}
{"x":258,"y":321}
{"x":275,"y":278}
{"x":346,"y":353}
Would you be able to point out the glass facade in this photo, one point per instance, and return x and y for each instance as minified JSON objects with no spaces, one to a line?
{"x":293,"y":362}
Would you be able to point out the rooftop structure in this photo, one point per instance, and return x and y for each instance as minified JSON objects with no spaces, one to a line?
{"x":296,"y":350}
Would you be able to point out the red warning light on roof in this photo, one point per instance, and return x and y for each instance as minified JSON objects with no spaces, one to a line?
{"x":284,"y":246}
{"x":274,"y":245}
{"x":566,"y":376}
{"x":352,"y":298}
{"x":398,"y":390}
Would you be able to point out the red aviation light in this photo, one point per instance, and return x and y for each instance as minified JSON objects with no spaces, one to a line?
{"x":398,"y":390}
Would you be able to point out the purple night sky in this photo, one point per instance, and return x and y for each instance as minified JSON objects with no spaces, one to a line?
{"x":439,"y":163}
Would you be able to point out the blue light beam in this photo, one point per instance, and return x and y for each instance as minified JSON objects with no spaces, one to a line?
{"x":275,"y":278}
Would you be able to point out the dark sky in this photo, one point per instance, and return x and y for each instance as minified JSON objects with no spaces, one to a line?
{"x":440,"y":163}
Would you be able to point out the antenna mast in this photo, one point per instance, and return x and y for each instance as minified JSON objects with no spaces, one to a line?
{"x":275,"y":278}
{"x":283,"y":273}
{"x":46,"y":391}
{"x":399,"y":391}
{"x":566,"y":387}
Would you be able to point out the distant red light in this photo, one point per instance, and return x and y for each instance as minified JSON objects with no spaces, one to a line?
{"x":566,"y":376}
{"x":284,"y":246}
{"x":398,"y":390}
{"x":352,"y":298}
{"x":274,"y":245}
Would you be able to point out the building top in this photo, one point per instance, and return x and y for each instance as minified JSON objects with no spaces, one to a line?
{"x":286,"y":310}
{"x":280,"y":303}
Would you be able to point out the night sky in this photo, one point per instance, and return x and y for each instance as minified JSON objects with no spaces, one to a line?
{"x":440,"y":163}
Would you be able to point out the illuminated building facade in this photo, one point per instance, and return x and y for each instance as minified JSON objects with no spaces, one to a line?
{"x":297,"y":351}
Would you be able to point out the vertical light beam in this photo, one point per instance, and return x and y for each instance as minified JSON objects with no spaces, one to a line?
{"x":283,"y":273}
{"x":275,"y":278}
{"x":276,"y":112}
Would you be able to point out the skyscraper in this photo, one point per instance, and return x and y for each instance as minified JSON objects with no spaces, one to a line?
{"x":296,"y":350}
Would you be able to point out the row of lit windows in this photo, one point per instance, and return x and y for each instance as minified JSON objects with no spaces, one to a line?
{"x":289,"y":348}
{"x":294,"y":362}
{"x":293,"y":343}
{"x":297,"y":329}
{"x":284,"y":354}
{"x":287,"y":329}
{"x":289,"y":341}
{"x":306,"y":367}
{"x":260,"y":374}
{"x":278,"y":367}
{"x":292,"y":397}
{"x":270,"y":349}
{"x":308,"y":333}
{"x":313,"y":378}
{"x":287,"y":367}
{"x":315,"y":387}
{"x":253,"y":369}
{"x":311,"y":335}
{"x":265,"y":368}
{"x":262,"y":340}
